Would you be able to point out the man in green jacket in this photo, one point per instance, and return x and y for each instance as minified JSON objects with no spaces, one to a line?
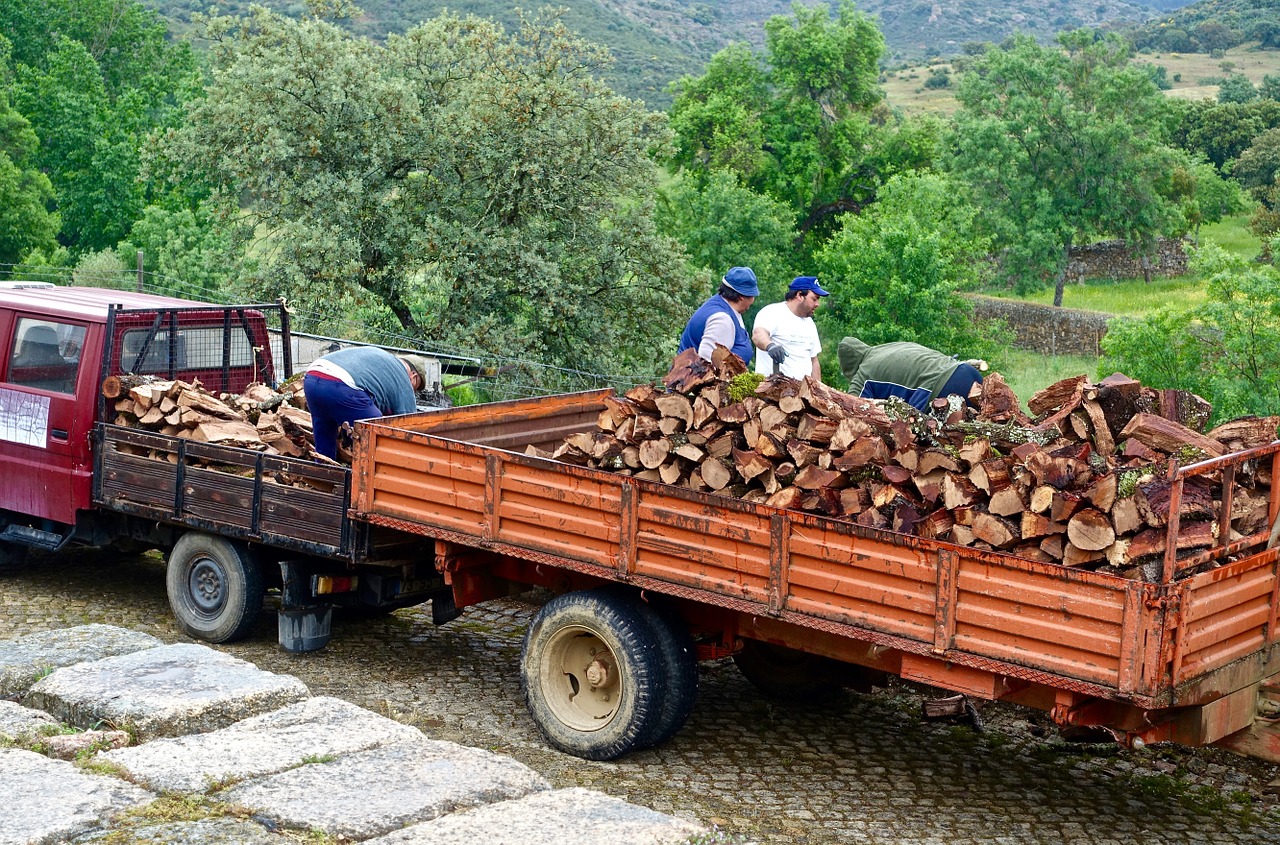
{"x":911,"y":372}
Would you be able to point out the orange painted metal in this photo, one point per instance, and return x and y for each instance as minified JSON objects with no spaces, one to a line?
{"x":985,"y":623}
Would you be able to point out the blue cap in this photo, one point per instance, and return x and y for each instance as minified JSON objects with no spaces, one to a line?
{"x":807,"y":283}
{"x":742,"y":280}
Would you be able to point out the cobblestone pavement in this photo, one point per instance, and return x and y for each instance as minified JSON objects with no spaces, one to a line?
{"x":860,"y":769}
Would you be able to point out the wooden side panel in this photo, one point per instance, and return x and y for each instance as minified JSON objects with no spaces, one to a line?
{"x":1225,"y":615}
{"x":218,"y":497}
{"x":139,"y":480}
{"x":838,"y":575}
{"x":701,"y":545}
{"x":1065,"y":623}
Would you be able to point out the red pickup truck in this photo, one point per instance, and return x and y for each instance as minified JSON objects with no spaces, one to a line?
{"x":72,"y":477}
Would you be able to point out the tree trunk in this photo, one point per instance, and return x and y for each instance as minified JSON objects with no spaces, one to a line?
{"x":1061,"y":282}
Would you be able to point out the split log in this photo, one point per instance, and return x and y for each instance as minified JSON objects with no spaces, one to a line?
{"x":1090,"y":530}
{"x":1169,"y":436}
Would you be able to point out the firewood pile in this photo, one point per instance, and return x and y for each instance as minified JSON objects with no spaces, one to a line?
{"x":1083,"y":481}
{"x":260,"y":418}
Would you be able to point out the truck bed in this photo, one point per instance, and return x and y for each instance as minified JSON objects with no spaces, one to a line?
{"x":170,"y":479}
{"x":983,"y":623}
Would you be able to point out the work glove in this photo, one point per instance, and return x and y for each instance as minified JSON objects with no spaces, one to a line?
{"x":776,"y":352}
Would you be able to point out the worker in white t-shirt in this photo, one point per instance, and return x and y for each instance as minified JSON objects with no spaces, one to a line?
{"x":785,"y":331}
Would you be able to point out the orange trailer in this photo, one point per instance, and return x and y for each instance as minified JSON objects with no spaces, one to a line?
{"x":650,"y":578}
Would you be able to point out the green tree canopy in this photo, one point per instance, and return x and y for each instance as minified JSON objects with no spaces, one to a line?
{"x":484,"y":188}
{"x":1062,"y":146}
{"x":802,"y":123}
{"x":895,"y":271}
{"x":25,"y":192}
{"x":1237,"y":88}
{"x":1226,"y":350}
{"x":723,"y":224}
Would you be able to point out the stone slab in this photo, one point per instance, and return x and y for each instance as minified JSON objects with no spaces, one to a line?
{"x":260,"y":745}
{"x":50,"y":800}
{"x":25,"y":660}
{"x":170,"y":690}
{"x":374,"y":792}
{"x":202,"y":832}
{"x":564,"y":816}
{"x":23,"y":724}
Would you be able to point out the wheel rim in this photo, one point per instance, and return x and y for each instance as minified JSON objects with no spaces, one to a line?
{"x":580,"y":679}
{"x":206,"y":584}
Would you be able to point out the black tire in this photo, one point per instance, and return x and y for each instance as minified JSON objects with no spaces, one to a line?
{"x":215,"y":587}
{"x":785,"y":674}
{"x":680,"y":665}
{"x":598,"y":636}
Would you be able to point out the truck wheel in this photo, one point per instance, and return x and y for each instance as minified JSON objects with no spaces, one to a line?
{"x":785,"y":674}
{"x":680,"y":665}
{"x":592,"y":675}
{"x":215,"y":587}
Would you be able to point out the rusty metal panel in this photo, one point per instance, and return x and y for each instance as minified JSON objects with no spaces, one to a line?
{"x":1225,"y":615}
{"x":693,"y":542}
{"x":837,"y":574}
{"x":424,"y":481}
{"x":560,"y":513}
{"x":1060,"y":622}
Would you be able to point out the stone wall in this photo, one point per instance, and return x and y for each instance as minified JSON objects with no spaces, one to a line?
{"x":1043,"y":328}
{"x":1118,"y":260}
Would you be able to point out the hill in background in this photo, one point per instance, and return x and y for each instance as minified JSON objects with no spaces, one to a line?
{"x":655,"y":42}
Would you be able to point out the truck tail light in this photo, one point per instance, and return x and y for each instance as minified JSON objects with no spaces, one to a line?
{"x":326,"y":584}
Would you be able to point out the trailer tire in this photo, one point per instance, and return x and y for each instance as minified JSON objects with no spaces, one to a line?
{"x":680,"y":665}
{"x":215,"y":587}
{"x":599,"y":636}
{"x":787,"y":674}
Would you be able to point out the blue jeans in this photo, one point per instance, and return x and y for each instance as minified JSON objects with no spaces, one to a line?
{"x":331,"y":404}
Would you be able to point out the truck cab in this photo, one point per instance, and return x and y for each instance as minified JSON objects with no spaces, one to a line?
{"x":57,"y":345}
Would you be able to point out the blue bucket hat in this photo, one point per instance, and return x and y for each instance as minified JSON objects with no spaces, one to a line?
{"x":742,"y":280}
{"x":804,"y":283}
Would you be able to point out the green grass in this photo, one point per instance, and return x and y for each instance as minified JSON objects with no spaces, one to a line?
{"x":1134,"y":297}
{"x":1027,"y":372}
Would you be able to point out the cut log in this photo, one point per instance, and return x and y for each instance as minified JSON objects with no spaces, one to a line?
{"x":1154,"y":496}
{"x":1168,"y":436}
{"x":958,"y":491}
{"x":715,"y":473}
{"x":1090,"y":530}
{"x":1036,"y":525}
{"x":1246,"y":432}
{"x":654,"y":452}
{"x":750,"y":463}
{"x":995,"y":530}
{"x":1006,"y":502}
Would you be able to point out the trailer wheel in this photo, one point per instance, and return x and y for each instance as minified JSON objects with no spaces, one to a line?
{"x":592,"y":675}
{"x":680,"y":665}
{"x":215,"y":587}
{"x":786,"y":674}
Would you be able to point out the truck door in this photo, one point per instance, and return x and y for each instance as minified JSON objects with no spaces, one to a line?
{"x":44,"y":434}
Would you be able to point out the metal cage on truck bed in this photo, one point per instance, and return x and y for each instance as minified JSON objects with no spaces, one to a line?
{"x":1181,"y":659}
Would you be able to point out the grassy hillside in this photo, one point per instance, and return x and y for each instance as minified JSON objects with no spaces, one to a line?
{"x":657,"y":41}
{"x":1193,"y":77}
